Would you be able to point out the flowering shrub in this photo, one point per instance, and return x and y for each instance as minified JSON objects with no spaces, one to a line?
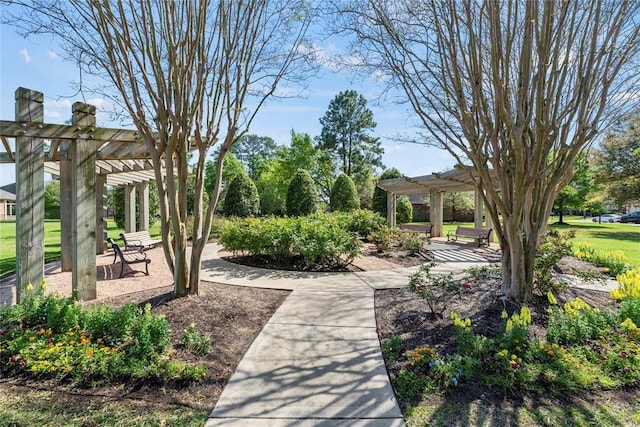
{"x":51,"y":336}
{"x":629,"y":285}
{"x":616,"y":261}
{"x":318,"y":239}
{"x":575,"y":321}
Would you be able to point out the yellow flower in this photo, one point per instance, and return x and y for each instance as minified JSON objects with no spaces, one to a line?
{"x":516,"y":340}
{"x":514,"y":357}
{"x":31,"y":339}
{"x":90,"y":352}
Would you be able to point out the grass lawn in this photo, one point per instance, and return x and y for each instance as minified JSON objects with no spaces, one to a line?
{"x":51,"y":241}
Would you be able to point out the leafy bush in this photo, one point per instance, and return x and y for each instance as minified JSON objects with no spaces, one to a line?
{"x":404,"y":210}
{"x":363,"y":222}
{"x":384,"y":238}
{"x":50,"y":336}
{"x":554,"y":246}
{"x":193,"y":341}
{"x":412,"y":242}
{"x":242,"y":197}
{"x":436,"y":289}
{"x":319,"y":239}
{"x":302,"y":195}
{"x":630,"y":309}
{"x":392,"y":348}
{"x":344,"y":195}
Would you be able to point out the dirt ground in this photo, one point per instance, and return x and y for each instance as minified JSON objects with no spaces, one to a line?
{"x":232,"y":316}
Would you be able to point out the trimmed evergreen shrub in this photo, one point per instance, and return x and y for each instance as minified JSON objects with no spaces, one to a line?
{"x":302,"y":195}
{"x":404,"y":210}
{"x":242,"y":197}
{"x":344,"y":195}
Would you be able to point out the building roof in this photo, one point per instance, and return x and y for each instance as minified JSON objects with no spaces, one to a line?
{"x":460,"y":179}
{"x":5,"y":195}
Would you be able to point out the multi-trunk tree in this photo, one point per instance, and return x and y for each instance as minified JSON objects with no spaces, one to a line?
{"x":190,"y":74}
{"x":517,"y":89}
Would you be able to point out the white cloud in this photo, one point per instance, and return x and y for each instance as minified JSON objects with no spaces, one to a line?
{"x":52,"y":55}
{"x":25,"y":55}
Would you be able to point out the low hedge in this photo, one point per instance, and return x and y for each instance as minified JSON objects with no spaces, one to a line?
{"x":321,"y":239}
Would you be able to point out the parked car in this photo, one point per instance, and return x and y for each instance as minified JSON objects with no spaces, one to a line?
{"x":631,"y":217}
{"x":607,"y":218}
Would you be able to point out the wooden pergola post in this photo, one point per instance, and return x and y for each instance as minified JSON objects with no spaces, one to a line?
{"x":143,"y":201}
{"x":101,"y":213}
{"x":29,"y":160}
{"x":391,"y":208}
{"x":66,"y":195}
{"x":83,"y":158}
{"x":435,"y":215}
{"x":478,"y":209}
{"x":129,"y":208}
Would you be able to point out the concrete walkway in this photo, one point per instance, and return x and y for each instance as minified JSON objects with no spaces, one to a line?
{"x":318,"y":360}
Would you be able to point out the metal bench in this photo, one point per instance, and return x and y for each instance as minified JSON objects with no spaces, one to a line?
{"x":481,"y":235}
{"x":416,"y":228}
{"x":133,"y":255}
{"x":139,"y":239}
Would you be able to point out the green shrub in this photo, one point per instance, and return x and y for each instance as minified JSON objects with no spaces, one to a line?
{"x":195,"y":342}
{"x":242,"y":197}
{"x":344,"y":195}
{"x":412,"y":242}
{"x":320,"y":239}
{"x":630,"y":309}
{"x":363,"y":222}
{"x":404,"y":210}
{"x":302,"y":195}
{"x":384,"y":238}
{"x":553,"y":247}
{"x":436,"y":289}
{"x":392,"y":348}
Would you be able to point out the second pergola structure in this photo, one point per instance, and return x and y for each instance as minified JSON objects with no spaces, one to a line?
{"x":458,"y":180}
{"x":87,"y":159}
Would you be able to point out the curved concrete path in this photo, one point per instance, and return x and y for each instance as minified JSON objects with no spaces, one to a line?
{"x":317,"y":361}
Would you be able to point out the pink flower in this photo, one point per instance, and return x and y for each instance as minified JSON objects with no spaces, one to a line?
{"x":275,"y":243}
{"x":466,"y":285}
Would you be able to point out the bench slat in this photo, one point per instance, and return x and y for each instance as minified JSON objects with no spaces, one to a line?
{"x":482,"y":235}
{"x":139,"y":238}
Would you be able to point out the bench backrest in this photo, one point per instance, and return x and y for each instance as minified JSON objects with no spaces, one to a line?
{"x":416,"y":227}
{"x":136,"y":236}
{"x":474,"y":232}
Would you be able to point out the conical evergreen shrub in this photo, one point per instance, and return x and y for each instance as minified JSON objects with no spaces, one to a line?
{"x":344,"y":195}
{"x":302,"y":195}
{"x":242,"y":198}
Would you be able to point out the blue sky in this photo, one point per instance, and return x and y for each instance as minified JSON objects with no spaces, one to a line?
{"x":36,"y":64}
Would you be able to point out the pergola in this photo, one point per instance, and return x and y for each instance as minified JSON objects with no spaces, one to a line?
{"x":87,"y":159}
{"x":460,"y":179}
